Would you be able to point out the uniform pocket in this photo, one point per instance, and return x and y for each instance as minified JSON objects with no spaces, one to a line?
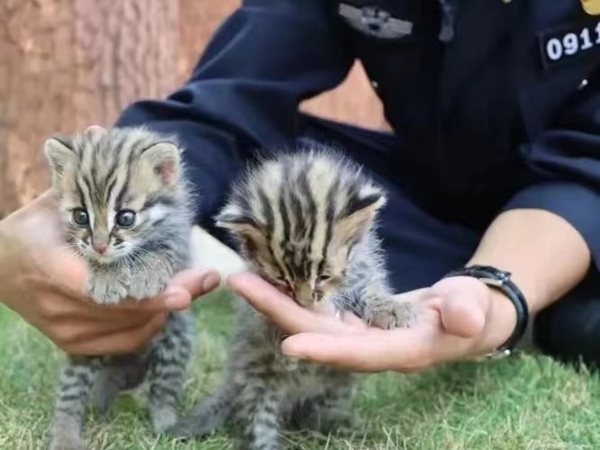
{"x":567,"y":65}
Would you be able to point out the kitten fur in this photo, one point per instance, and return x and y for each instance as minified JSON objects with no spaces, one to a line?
{"x":126,"y":208}
{"x":304,"y":222}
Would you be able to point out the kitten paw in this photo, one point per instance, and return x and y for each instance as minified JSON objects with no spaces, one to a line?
{"x":106,"y":291}
{"x":148,"y":285}
{"x":184,"y":430}
{"x":152,"y":289}
{"x":66,"y":442}
{"x":163,"y":418}
{"x":392,"y":314}
{"x":290,"y":364}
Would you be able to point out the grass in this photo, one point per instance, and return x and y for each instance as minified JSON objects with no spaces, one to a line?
{"x":528,"y":403}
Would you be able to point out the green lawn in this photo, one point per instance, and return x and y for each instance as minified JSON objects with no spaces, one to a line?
{"x":524,"y":403}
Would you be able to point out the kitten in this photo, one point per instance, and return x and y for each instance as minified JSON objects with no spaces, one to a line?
{"x":304,"y":222}
{"x":127,"y":212}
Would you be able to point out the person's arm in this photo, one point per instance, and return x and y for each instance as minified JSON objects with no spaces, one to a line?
{"x":547,"y":236}
{"x":461,"y":319}
{"x":244,"y":93}
{"x":546,"y":256}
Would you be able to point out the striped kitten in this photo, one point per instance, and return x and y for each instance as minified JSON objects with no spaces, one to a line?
{"x":304,"y":222}
{"x":126,"y":209}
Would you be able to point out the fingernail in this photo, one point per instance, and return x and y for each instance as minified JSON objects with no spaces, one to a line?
{"x":210,"y":282}
{"x":235,"y":277}
{"x":287,"y":348}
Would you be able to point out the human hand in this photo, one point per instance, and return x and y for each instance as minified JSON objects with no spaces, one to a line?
{"x":460,"y":318}
{"x":44,"y":282}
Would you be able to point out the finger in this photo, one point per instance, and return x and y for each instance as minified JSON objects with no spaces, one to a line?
{"x":66,"y":272}
{"x":85,"y":326}
{"x":124,"y":342}
{"x":281,"y":309}
{"x":355,"y":322}
{"x":371,"y":351}
{"x":172,"y":299}
{"x":182,"y":290}
{"x":106,"y":322}
{"x":197,"y":281}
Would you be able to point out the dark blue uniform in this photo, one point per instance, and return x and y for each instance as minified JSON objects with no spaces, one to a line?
{"x":495,"y":104}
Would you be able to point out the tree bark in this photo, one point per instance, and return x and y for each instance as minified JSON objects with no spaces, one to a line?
{"x":66,"y":64}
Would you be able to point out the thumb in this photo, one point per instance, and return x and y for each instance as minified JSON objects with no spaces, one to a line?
{"x":183,"y":288}
{"x":196,"y":281}
{"x":461,"y":313}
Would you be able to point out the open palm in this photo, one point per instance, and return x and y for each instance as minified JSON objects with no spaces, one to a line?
{"x":454,"y":320}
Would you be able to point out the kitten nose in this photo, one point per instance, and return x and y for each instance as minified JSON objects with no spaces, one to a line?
{"x":100,"y":247}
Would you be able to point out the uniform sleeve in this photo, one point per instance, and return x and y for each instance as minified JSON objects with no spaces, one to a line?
{"x":244,"y":92}
{"x":567,"y":161}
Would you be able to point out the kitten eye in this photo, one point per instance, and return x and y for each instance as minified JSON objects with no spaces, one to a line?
{"x":323,"y":278}
{"x":80,"y":217}
{"x":125,"y":218}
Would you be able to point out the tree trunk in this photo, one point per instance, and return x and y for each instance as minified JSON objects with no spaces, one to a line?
{"x":65,"y":64}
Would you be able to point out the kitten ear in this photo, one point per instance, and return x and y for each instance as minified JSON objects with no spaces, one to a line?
{"x":360,"y":213}
{"x":95,"y":130}
{"x":164,"y":158}
{"x":240,"y":224}
{"x":59,"y":151}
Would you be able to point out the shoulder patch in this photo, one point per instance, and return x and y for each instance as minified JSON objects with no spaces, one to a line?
{"x":564,"y":44}
{"x":591,"y":7}
{"x":374,"y":21}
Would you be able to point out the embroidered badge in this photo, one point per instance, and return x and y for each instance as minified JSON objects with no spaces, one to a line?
{"x":374,"y":21}
{"x":560,"y":45}
{"x":591,"y":7}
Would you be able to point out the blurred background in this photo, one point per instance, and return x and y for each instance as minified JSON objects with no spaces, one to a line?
{"x":67,"y":64}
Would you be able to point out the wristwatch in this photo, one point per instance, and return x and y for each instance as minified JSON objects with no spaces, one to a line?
{"x":501,"y":280}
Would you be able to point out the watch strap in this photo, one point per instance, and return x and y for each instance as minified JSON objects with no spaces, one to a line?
{"x":501,"y":280}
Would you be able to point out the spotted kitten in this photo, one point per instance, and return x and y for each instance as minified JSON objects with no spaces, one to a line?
{"x":304,"y":222}
{"x":126,"y":209}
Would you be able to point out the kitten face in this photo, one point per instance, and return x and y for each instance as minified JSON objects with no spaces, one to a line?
{"x":297,"y":219}
{"x":114,"y":186}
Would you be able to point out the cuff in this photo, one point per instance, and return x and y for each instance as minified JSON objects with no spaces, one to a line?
{"x":577,"y":204}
